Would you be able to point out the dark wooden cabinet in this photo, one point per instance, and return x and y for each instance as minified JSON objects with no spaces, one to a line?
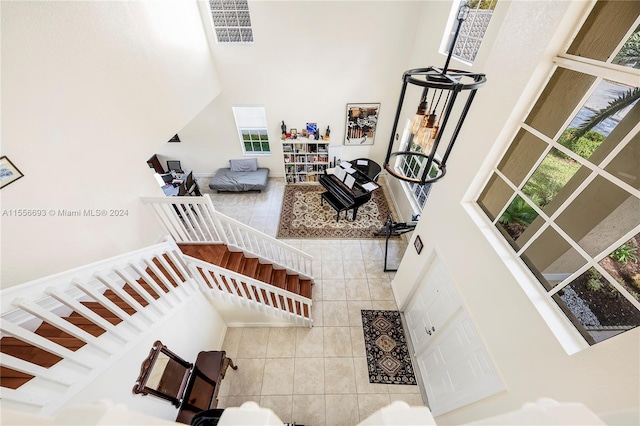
{"x":202,"y":389}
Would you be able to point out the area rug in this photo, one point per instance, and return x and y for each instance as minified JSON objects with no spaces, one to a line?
{"x":302,"y":216}
{"x":388,"y":357}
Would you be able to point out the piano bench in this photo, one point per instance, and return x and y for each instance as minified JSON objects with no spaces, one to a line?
{"x":337,"y":205}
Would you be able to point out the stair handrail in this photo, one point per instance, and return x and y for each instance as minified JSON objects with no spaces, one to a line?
{"x":245,"y":299}
{"x":209,"y":226}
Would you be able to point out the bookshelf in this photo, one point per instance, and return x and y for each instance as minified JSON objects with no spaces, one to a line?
{"x":304,"y":159}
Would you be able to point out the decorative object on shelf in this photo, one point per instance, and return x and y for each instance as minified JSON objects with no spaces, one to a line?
{"x":293,"y":133}
{"x":175,"y":138}
{"x":362,"y":120}
{"x":442,"y":87}
{"x":8,"y":172}
{"x":283,"y":128}
{"x":327,"y":133}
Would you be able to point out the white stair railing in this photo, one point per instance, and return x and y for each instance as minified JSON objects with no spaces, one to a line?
{"x":24,"y":308}
{"x":231,"y":287}
{"x":195,"y":220}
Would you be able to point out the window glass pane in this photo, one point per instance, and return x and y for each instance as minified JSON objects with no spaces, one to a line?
{"x":561,"y":96}
{"x":626,"y":165}
{"x":516,"y":219}
{"x":597,"y":306}
{"x":550,"y":178}
{"x":246,"y":135}
{"x":617,"y":17}
{"x":551,"y":258}
{"x":602,"y":112}
{"x":265,"y":146}
{"x":495,"y":196}
{"x":629,"y":55}
{"x":624,"y":266}
{"x":247,"y":146}
{"x":599,"y":216}
{"x":521,"y":156}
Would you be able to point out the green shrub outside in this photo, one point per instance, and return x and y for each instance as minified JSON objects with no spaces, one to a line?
{"x":584,"y":146}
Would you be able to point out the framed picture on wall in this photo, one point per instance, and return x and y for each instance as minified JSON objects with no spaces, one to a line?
{"x":362,"y":120}
{"x":8,"y":172}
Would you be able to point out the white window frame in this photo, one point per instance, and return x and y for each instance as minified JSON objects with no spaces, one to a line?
{"x":450,"y":28}
{"x":252,"y":118}
{"x":241,"y":32}
{"x":409,"y":188}
{"x":565,"y":332}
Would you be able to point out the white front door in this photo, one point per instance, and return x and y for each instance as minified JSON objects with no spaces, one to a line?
{"x":455,"y":367}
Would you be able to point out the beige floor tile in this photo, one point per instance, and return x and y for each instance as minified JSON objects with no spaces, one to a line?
{"x":331,"y":250}
{"x":335,"y":313}
{"x":369,"y":404}
{"x":354,"y":307}
{"x":281,"y":405}
{"x":316,"y":289}
{"x":236,"y":401}
{"x":278,"y":376}
{"x":232,"y":341}
{"x":333,"y":289}
{"x":282,"y":342}
{"x":247,"y":379}
{"x":351,"y":250}
{"x":357,"y":342}
{"x":308,"y":377}
{"x":380,"y":289}
{"x":309,"y":410}
{"x":253,"y":342}
{"x":332,"y":269}
{"x":384,"y":305}
{"x":357,"y":288}
{"x":413,"y":399}
{"x":342,"y":410}
{"x":316,"y":267}
{"x":337,"y":341}
{"x":317,"y":313}
{"x":375,"y":268}
{"x":309,"y":342}
{"x":354,"y":269}
{"x":339,"y":376}
{"x":404,"y":389}
{"x":363,"y":386}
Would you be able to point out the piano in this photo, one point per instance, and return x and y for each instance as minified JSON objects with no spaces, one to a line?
{"x":341,"y":197}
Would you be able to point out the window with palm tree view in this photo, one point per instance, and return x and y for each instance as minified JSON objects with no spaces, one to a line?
{"x":566,"y":194}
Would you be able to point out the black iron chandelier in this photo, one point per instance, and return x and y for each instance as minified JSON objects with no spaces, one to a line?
{"x":442,"y":87}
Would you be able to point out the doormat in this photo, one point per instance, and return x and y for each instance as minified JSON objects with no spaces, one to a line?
{"x":388,"y":358}
{"x":302,"y":216}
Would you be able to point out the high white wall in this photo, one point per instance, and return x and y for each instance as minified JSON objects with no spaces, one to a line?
{"x":89,"y":91}
{"x":531,"y":361}
{"x":309,"y":59}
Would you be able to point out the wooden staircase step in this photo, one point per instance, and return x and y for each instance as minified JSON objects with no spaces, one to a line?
{"x":305,"y":288}
{"x":147,"y":287}
{"x":48,"y":330}
{"x":134,"y":294}
{"x":157,"y":280}
{"x":86,"y":324}
{"x":103,"y":312}
{"x":174,"y":267}
{"x":119,"y":302}
{"x":164,"y":272}
{"x":265,"y":270}
{"x":27,"y":352}
{"x":250,"y":267}
{"x":13,"y":379}
{"x":235,"y":262}
{"x":293,"y":283}
{"x":278,"y":278}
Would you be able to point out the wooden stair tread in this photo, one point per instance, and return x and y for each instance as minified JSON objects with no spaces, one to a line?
{"x":27,"y":352}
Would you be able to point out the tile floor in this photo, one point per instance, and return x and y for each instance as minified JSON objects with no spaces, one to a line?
{"x":314,"y":376}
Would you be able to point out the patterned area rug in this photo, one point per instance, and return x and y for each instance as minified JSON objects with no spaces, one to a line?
{"x":302,"y":215}
{"x":387,"y":352}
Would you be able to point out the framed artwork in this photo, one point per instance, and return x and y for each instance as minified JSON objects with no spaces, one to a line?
{"x":8,"y":172}
{"x":418,"y":244}
{"x":362,"y":120}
